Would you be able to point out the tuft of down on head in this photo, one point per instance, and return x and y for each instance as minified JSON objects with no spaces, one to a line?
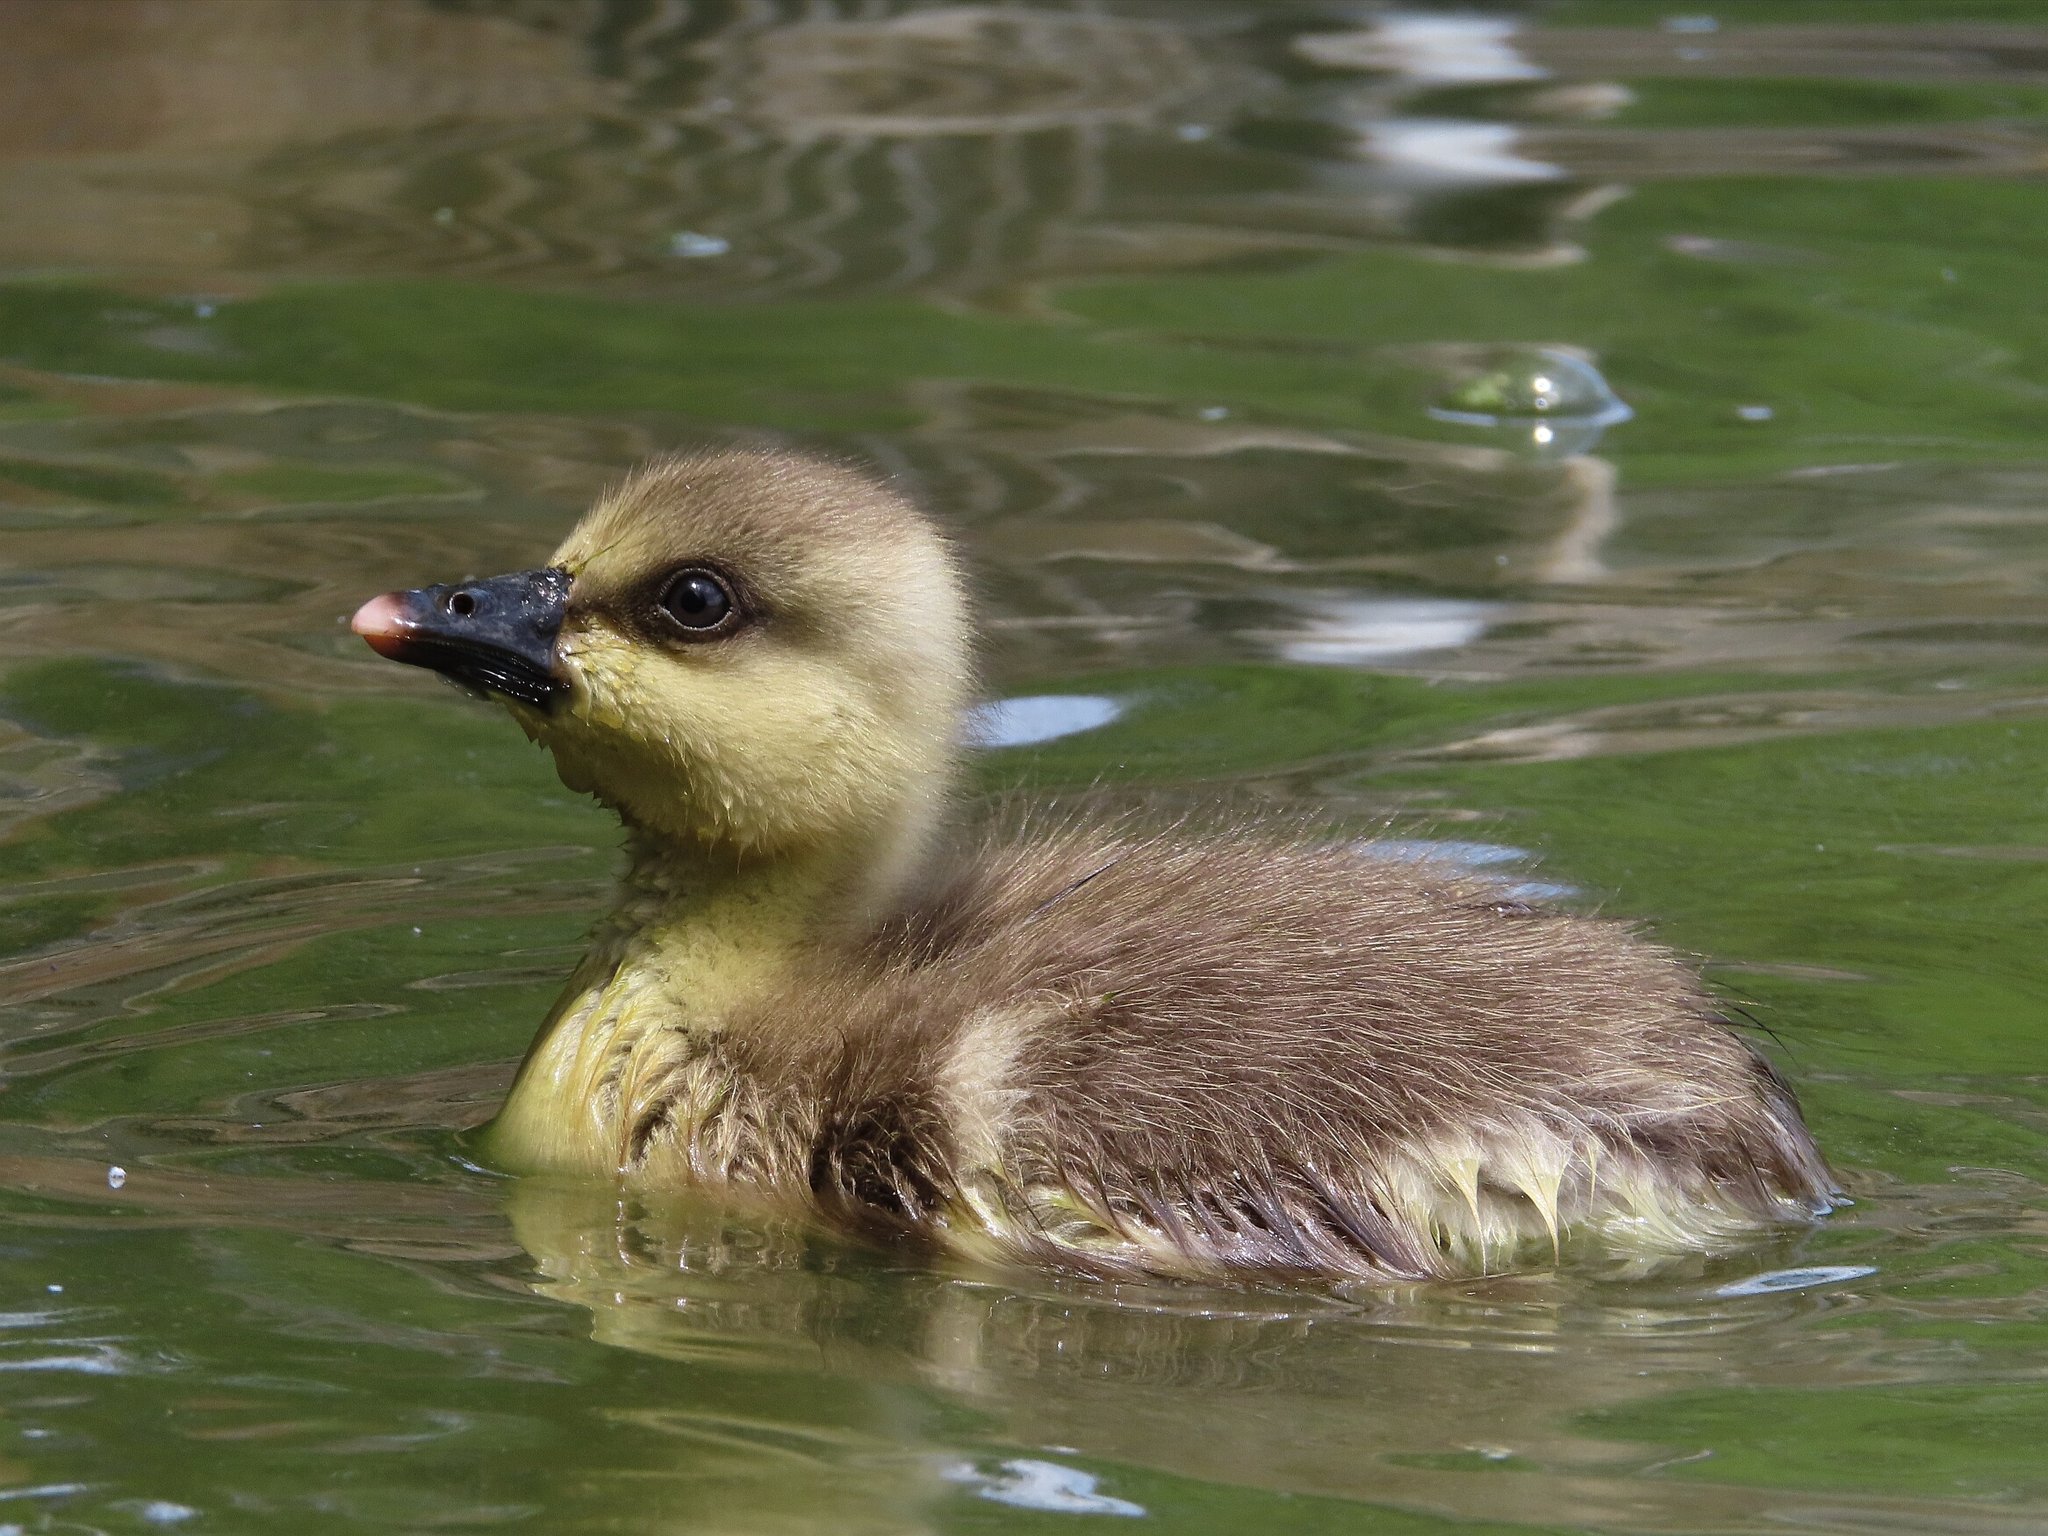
{"x":821,"y":713}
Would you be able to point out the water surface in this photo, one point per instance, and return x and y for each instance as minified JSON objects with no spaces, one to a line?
{"x":1605,"y":442}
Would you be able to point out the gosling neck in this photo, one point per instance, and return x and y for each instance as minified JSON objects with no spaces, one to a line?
{"x":698,"y":935}
{"x":717,"y":925}
{"x":720,"y":923}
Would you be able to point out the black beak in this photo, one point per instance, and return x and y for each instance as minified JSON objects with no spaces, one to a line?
{"x":497,"y":634}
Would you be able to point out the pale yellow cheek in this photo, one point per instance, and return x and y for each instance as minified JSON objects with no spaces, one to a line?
{"x":734,"y":716}
{"x":779,"y":747}
{"x":759,"y":748}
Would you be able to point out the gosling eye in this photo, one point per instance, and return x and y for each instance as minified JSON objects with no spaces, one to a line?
{"x":700,"y":603}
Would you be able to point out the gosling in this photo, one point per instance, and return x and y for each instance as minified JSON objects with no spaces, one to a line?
{"x":1104,"y":1049}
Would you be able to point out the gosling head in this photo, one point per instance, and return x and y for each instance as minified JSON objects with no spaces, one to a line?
{"x":743,"y":652}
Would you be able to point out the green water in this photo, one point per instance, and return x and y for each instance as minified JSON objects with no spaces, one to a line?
{"x":300,"y":302}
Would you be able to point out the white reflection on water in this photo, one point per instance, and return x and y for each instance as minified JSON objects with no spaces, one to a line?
{"x":1040,"y":717}
{"x":1429,"y":50}
{"x":1441,"y":150}
{"x":104,"y":1360}
{"x":1351,"y":631}
{"x":1044,"y":1485}
{"x":41,"y":1491}
{"x":1466,"y":856}
{"x":1773,"y":1281}
{"x":1422,"y":51}
{"x":1423,"y":850}
{"x":158,"y":1511}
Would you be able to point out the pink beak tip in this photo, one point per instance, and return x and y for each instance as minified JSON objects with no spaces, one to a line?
{"x":381,"y":621}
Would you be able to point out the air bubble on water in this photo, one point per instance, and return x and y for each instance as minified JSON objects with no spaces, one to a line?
{"x":1552,"y":400}
{"x":1754,"y":412}
{"x":116,"y":1176}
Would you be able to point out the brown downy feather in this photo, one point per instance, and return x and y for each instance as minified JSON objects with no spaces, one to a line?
{"x":1129,"y":1053}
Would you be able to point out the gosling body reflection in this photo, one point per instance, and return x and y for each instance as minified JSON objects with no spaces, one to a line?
{"x":1104,"y":1048}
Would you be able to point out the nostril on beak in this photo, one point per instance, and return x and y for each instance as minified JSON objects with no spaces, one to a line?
{"x":461,"y":604}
